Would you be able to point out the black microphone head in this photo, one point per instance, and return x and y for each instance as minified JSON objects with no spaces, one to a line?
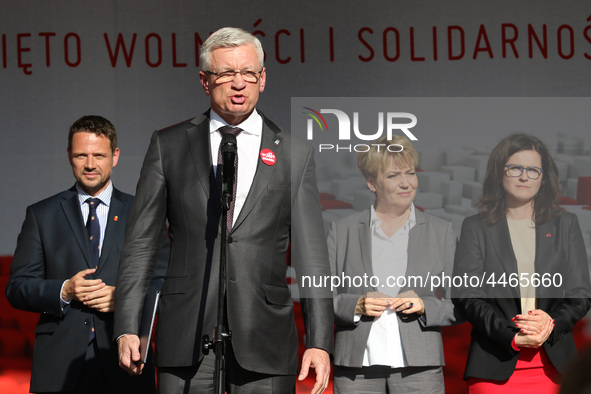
{"x":228,"y":144}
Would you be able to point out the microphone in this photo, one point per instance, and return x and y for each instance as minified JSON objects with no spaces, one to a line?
{"x":228,"y":148}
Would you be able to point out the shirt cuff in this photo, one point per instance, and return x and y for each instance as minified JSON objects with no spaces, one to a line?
{"x":63,"y":303}
{"x":122,"y":335}
{"x":514,"y":345}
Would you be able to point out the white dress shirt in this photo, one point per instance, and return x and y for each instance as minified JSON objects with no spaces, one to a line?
{"x":248,"y":143}
{"x":102,"y":213}
{"x":389,"y":258}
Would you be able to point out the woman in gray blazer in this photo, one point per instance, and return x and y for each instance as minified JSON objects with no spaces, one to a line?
{"x":390,"y":262}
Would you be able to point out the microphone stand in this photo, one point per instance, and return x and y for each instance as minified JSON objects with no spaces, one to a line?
{"x":220,"y":333}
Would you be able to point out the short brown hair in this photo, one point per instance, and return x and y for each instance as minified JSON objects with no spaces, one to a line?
{"x":94,"y":124}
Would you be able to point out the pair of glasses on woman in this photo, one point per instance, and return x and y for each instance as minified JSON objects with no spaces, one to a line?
{"x":227,"y":76}
{"x":514,"y":171}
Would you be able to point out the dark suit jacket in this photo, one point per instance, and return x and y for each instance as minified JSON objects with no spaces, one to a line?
{"x":484,"y":250}
{"x":177,"y":184}
{"x":431,"y":249}
{"x":52,"y":247}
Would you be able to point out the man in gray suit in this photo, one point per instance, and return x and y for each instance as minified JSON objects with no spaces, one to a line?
{"x":276,"y":202}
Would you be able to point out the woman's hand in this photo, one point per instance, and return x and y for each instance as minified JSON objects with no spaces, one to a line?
{"x":408,"y":302}
{"x":372,"y":304}
{"x":375,"y":303}
{"x":533,"y":322}
{"x":535,"y":340}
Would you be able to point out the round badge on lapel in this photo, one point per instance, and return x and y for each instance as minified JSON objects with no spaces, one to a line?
{"x":268,"y":157}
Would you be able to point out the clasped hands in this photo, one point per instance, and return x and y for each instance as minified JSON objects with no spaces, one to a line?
{"x":375,"y":303}
{"x":93,"y":293}
{"x":534,"y":328}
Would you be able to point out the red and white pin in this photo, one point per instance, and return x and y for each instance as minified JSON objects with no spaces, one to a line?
{"x":268,"y":157}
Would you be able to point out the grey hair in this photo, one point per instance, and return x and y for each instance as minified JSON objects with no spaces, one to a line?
{"x":228,"y":37}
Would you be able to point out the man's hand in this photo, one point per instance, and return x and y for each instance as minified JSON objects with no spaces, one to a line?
{"x":129,"y":354}
{"x":102,"y":300}
{"x":320,"y":361}
{"x":77,"y":288}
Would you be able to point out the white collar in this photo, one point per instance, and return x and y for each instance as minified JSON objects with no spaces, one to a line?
{"x":376,"y":222}
{"x":104,"y":196}
{"x":251,"y":125}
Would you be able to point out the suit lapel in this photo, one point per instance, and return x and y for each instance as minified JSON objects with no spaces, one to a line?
{"x":415,"y":243}
{"x":71,"y":208}
{"x":264,"y":173}
{"x":501,"y":240}
{"x":545,"y":248}
{"x":114,"y":231}
{"x":365,"y":242}
{"x":199,"y":145}
{"x":544,"y":244}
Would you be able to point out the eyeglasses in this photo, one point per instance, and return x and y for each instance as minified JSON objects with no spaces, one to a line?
{"x":227,"y":76}
{"x":514,"y":171}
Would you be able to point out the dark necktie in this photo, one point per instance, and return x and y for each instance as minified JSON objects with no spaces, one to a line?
{"x":218,"y":175}
{"x":94,"y":237}
{"x":94,"y":230}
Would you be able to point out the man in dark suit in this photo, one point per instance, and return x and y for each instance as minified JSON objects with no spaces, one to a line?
{"x":276,"y":202}
{"x":67,"y":272}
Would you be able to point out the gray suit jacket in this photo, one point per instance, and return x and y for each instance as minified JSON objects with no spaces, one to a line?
{"x":430,"y":253}
{"x":177,"y":185}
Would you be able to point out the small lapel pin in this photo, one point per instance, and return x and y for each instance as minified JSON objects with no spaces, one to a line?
{"x":548,"y":235}
{"x":116,"y":218}
{"x":277,"y":141}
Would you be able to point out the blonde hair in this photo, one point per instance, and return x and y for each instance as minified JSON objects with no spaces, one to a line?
{"x":381,"y":155}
